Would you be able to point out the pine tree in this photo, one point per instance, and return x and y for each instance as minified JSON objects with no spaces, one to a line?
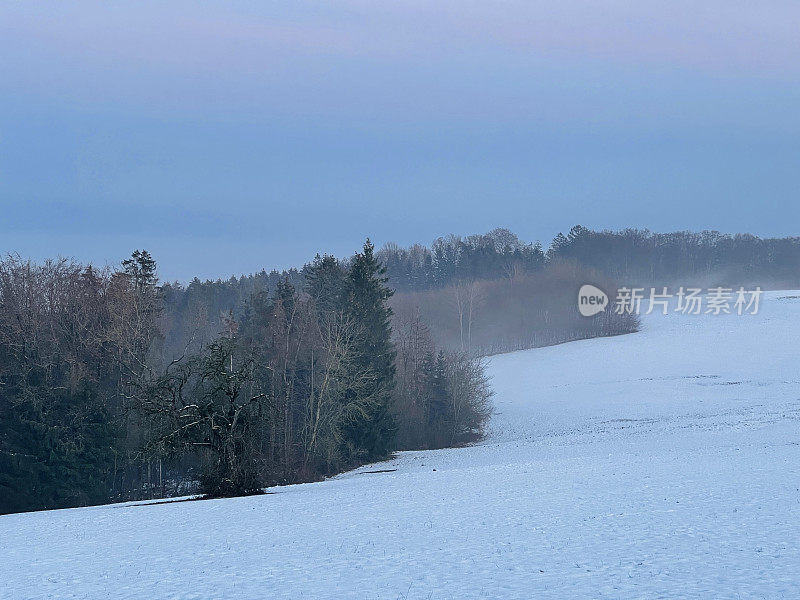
{"x":370,"y":429}
{"x":141,"y":268}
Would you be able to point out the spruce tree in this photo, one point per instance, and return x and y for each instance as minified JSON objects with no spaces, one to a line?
{"x":370,"y":430}
{"x":141,"y":268}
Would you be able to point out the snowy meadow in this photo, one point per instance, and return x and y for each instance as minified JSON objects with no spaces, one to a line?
{"x":660,"y":464}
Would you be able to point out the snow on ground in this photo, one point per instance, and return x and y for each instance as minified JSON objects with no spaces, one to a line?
{"x":663,"y":464}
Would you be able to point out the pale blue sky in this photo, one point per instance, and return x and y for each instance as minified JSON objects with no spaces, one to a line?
{"x":230,"y":136}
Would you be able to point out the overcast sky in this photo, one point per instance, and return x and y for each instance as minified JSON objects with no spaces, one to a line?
{"x":230,"y":136}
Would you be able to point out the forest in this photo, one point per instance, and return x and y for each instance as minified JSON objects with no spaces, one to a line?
{"x":116,"y":386}
{"x":101,"y":400}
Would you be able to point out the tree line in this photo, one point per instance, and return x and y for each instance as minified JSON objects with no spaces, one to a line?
{"x":108,"y":392}
{"x":116,"y":386}
{"x":452,"y":259}
{"x":478,"y":295}
{"x":493,"y":292}
{"x":631,"y":256}
{"x":705,"y":259}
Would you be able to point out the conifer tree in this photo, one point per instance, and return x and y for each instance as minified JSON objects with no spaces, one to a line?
{"x":326,"y":283}
{"x":141,"y":268}
{"x":370,"y":427}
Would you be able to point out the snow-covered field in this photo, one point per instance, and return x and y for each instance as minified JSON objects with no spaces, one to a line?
{"x":663,"y":464}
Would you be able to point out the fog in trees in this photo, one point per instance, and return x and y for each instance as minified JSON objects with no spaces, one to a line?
{"x":117,"y":386}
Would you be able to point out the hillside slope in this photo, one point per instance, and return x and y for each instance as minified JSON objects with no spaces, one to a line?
{"x":659,"y":464}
